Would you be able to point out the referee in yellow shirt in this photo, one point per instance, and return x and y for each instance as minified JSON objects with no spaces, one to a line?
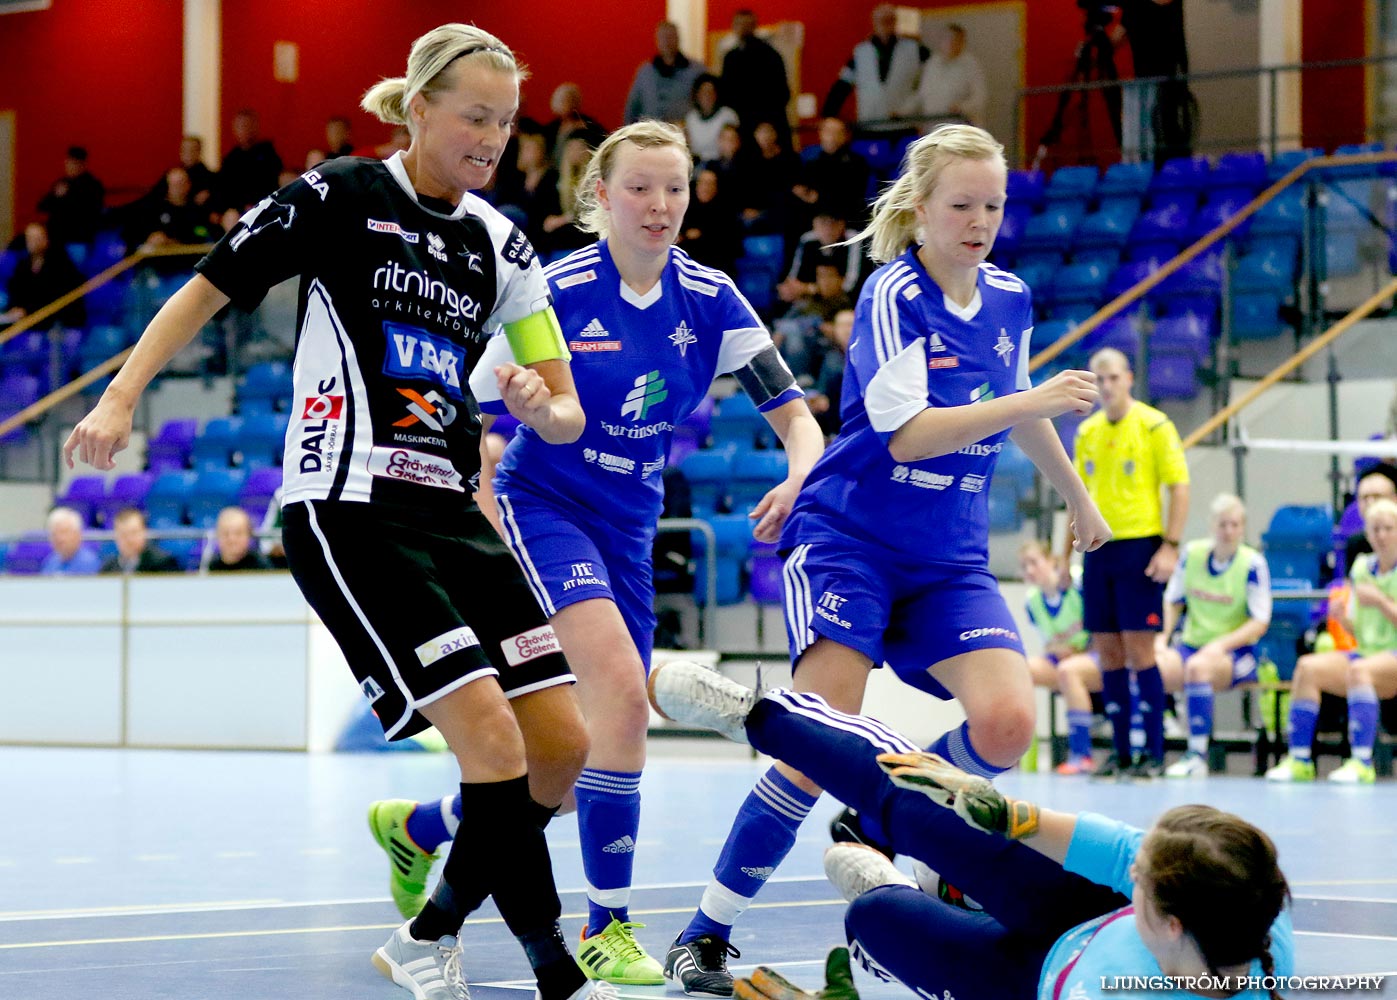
{"x":1124,"y":453}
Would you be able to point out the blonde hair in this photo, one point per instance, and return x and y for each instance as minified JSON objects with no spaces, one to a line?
{"x":1040,"y":547}
{"x":1383,"y":507}
{"x":427,"y":63}
{"x":1224,"y":502}
{"x":645,"y":134}
{"x":894,"y":227}
{"x":1112,"y":355}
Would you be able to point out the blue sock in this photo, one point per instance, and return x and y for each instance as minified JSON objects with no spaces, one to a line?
{"x":1137,"y":721}
{"x":1115,"y":693}
{"x":1078,"y":733}
{"x":1304,"y":717}
{"x":1200,"y":715}
{"x":955,"y":747}
{"x":1152,"y":709}
{"x":608,"y":819}
{"x":432,"y":824}
{"x":761,"y":836}
{"x":1362,"y":721}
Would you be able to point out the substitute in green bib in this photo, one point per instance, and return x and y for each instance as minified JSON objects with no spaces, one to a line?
{"x":1365,"y":675}
{"x":1222,"y":589}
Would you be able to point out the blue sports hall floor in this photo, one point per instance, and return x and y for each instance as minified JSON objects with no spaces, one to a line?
{"x":130,"y":874}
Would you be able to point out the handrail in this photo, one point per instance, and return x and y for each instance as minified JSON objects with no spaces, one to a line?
{"x":1290,"y":364}
{"x":38,"y":408}
{"x":97,"y":281}
{"x":1185,"y":256}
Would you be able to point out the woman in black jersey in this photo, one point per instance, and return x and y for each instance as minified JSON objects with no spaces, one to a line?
{"x":404,"y":275}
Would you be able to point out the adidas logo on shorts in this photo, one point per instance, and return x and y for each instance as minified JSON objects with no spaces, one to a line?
{"x":624,"y":845}
{"x":761,"y":873}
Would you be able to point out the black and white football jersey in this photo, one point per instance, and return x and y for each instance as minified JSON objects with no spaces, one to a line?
{"x":398,"y":296}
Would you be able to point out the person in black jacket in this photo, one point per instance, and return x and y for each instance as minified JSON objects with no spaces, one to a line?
{"x":134,"y":552}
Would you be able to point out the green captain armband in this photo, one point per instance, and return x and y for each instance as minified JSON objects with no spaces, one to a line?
{"x":536,"y":338}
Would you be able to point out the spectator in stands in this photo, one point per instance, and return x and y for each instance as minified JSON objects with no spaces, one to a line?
{"x":530,"y":190}
{"x":570,"y":121}
{"x":1373,"y":486}
{"x":561,"y":233}
{"x":201,"y":178}
{"x":1364,"y":675}
{"x":799,"y":332}
{"x":824,"y":244}
{"x":69,"y":556}
{"x":825,"y":392}
{"x":772,"y":174}
{"x":836,"y":178}
{"x":663,"y":86}
{"x":44,"y":274}
{"x":711,"y":233}
{"x":734,"y":179}
{"x":338,"y":141}
{"x":233,"y":537}
{"x":1158,"y":116}
{"x":754,"y":80}
{"x":1222,"y":587}
{"x":1124,"y":453}
{"x":706,"y":120}
{"x":174,"y":218}
{"x":883,"y":72}
{"x":74,"y":202}
{"x":953,"y":81}
{"x":398,"y":141}
{"x":1056,"y":614}
{"x":250,"y":168}
{"x":134,"y":551}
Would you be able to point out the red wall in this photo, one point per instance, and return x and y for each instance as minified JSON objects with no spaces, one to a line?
{"x":345,"y":47}
{"x":103,"y":75}
{"x":1332,"y":31}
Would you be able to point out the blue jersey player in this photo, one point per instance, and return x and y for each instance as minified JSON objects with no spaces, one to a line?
{"x":648,"y":329}
{"x":887,"y":545}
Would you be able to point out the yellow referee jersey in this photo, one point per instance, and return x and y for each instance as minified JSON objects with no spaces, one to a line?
{"x":1125,"y":463}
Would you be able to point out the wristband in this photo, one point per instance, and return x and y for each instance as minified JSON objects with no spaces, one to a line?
{"x":537,"y":338}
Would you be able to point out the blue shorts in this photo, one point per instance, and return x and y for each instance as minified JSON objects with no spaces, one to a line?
{"x":1117,"y":596}
{"x":1244,"y":662}
{"x":569,"y":555}
{"x":908,"y":615}
{"x":1056,"y":660}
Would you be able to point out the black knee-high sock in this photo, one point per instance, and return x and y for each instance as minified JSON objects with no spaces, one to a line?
{"x":504,"y":851}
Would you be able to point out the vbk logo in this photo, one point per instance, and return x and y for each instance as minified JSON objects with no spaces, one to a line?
{"x":649,"y":391}
{"x":1004,"y":347}
{"x":682,"y":337}
{"x":413,"y":353}
{"x":582,"y":569}
{"x":429,"y":409}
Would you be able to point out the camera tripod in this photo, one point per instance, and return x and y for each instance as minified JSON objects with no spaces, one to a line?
{"x":1095,"y":62}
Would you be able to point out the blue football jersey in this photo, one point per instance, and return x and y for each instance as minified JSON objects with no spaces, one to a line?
{"x":911,"y":349}
{"x":641,"y":363}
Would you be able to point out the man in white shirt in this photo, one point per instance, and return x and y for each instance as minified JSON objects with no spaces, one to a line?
{"x":953,"y":82}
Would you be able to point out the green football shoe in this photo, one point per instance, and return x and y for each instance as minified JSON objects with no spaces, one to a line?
{"x":1291,"y":769}
{"x":615,"y":956}
{"x":408,"y":865}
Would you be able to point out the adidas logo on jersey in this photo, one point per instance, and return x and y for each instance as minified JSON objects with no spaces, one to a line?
{"x":594,"y":329}
{"x":625,"y":845}
{"x":761,"y":873}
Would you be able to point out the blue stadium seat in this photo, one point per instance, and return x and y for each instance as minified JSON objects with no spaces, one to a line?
{"x":1166,"y":222}
{"x":266,"y":388}
{"x":1173,"y":376}
{"x":262,"y":439}
{"x":1108,"y":257}
{"x":168,"y":498}
{"x":1014,"y":471}
{"x":1119,"y":332}
{"x":86,"y":495}
{"x":1357,"y":169}
{"x":1071,"y":184}
{"x":734,"y":537}
{"x":1217,"y":210}
{"x":216,"y":443}
{"x":1109,"y":225}
{"x":1184,"y":173}
{"x":754,"y":474}
{"x":27,"y":555}
{"x":1026,"y":187}
{"x":1011,"y":229}
{"x":259,"y":490}
{"x":127,"y":490}
{"x":770,"y":249}
{"x":1078,"y":283}
{"x":18,"y":390}
{"x":1288,"y":160}
{"x":709,"y":473}
{"x":1241,"y":171}
{"x":1295,"y":541}
{"x":1283,"y":215}
{"x":170,"y":447}
{"x":1256,"y":315}
{"x":214,"y":489}
{"x":1187,"y":334}
{"x":1131,"y":179}
{"x":737,"y":421}
{"x":1054,"y":227}
{"x":187,"y":551}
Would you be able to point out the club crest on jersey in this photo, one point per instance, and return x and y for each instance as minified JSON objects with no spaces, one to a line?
{"x":378,"y":226}
{"x":682,"y":337}
{"x":1004,"y":347}
{"x":412,"y":353}
{"x":436,"y":246}
{"x":266,"y":213}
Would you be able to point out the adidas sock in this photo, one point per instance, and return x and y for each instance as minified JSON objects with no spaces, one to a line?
{"x":432,"y":824}
{"x":1362,"y":721}
{"x":511,"y":842}
{"x":1152,"y":709}
{"x":1200,"y":715}
{"x":608,"y":818}
{"x":761,"y":836}
{"x":1115,"y":693}
{"x":1078,"y":734}
{"x":1304,"y":717}
{"x":956,"y":747}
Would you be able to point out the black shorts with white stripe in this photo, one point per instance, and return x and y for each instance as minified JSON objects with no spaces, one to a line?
{"x":419,"y":610}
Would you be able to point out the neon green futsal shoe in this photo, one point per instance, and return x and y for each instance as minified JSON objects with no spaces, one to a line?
{"x":1291,"y":769}
{"x":408,"y":864}
{"x":615,"y":956}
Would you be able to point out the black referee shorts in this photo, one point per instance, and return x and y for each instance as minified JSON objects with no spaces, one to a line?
{"x":419,"y":605}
